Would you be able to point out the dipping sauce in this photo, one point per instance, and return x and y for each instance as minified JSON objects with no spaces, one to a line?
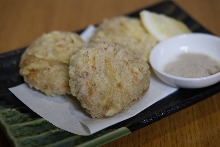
{"x":193,"y":65}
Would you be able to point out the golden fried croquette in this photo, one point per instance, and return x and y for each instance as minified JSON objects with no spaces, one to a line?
{"x":107,"y":78}
{"x":128,"y":32}
{"x":45,"y":63}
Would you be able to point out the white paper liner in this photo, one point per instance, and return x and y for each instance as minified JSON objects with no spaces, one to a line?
{"x":66,"y":113}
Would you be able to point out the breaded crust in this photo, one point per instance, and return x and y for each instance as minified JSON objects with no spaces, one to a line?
{"x":50,"y":77}
{"x":107,"y":78}
{"x":45,"y":63}
{"x":128,"y":32}
{"x":57,"y":46}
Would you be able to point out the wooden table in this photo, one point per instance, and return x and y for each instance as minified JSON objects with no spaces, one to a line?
{"x":23,"y":21}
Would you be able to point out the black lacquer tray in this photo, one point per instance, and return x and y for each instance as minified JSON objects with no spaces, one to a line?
{"x":23,"y":127}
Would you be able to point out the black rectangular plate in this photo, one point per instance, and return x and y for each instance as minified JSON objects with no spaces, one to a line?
{"x":23,"y":127}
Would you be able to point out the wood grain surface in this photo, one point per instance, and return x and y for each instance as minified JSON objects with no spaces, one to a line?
{"x":22,"y":21}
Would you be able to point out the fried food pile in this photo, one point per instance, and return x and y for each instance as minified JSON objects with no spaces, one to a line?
{"x":107,"y":75}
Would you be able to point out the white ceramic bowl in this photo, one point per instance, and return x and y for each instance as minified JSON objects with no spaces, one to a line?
{"x":168,"y":50}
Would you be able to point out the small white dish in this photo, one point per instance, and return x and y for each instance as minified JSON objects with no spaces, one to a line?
{"x":168,"y":51}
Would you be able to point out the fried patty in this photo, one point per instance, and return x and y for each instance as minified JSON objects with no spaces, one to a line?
{"x":128,"y":32}
{"x":107,"y":78}
{"x":45,"y":63}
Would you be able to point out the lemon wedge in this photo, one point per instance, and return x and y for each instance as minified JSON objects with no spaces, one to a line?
{"x":161,"y":26}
